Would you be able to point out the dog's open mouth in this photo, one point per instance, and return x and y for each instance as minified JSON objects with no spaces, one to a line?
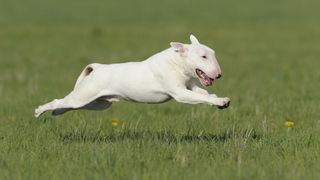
{"x":204,"y":79}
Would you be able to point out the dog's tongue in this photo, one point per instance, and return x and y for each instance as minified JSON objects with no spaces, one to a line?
{"x":205,"y":80}
{"x":208,"y":81}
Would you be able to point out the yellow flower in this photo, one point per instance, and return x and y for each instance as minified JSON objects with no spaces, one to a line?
{"x":289,"y":123}
{"x":114,"y":122}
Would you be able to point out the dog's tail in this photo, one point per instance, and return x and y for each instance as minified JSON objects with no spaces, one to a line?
{"x":86,"y":72}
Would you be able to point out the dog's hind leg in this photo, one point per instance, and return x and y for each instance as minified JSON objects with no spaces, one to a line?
{"x":78,"y":99}
{"x":98,"y":104}
{"x":65,"y":103}
{"x":86,"y":94}
{"x":61,"y":111}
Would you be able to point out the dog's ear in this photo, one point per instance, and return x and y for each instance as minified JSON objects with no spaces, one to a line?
{"x":193,"y":39}
{"x":178,"y":47}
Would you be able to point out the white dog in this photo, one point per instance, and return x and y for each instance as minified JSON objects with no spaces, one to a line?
{"x":165,"y":75}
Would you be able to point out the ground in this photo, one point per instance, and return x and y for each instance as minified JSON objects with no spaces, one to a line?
{"x":269,"y":54}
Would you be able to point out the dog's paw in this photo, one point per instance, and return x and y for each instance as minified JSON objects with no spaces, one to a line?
{"x":224,"y":103}
{"x":38,"y":112}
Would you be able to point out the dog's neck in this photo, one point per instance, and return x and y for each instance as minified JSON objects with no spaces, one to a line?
{"x":174,"y":62}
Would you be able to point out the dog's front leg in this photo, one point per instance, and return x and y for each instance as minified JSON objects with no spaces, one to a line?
{"x":193,"y":87}
{"x":191,"y":97}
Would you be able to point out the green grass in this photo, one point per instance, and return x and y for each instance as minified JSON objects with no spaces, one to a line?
{"x":269,"y":53}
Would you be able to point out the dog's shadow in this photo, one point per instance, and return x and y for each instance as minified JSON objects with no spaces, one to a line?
{"x":162,"y":136}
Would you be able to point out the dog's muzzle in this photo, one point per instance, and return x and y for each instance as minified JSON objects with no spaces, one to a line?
{"x":205,"y":80}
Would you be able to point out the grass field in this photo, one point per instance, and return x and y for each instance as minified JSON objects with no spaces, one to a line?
{"x":268,"y":51}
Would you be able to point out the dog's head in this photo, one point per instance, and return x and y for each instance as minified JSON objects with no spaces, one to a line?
{"x":199,"y":60}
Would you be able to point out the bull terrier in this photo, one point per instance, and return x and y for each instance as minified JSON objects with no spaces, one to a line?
{"x":169,"y":74}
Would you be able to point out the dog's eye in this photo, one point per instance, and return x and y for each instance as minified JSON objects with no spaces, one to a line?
{"x":204,"y":57}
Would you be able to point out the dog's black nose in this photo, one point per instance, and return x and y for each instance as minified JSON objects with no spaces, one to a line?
{"x":219,"y":76}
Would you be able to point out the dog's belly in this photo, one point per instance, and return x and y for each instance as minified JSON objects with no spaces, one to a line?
{"x":147,"y":97}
